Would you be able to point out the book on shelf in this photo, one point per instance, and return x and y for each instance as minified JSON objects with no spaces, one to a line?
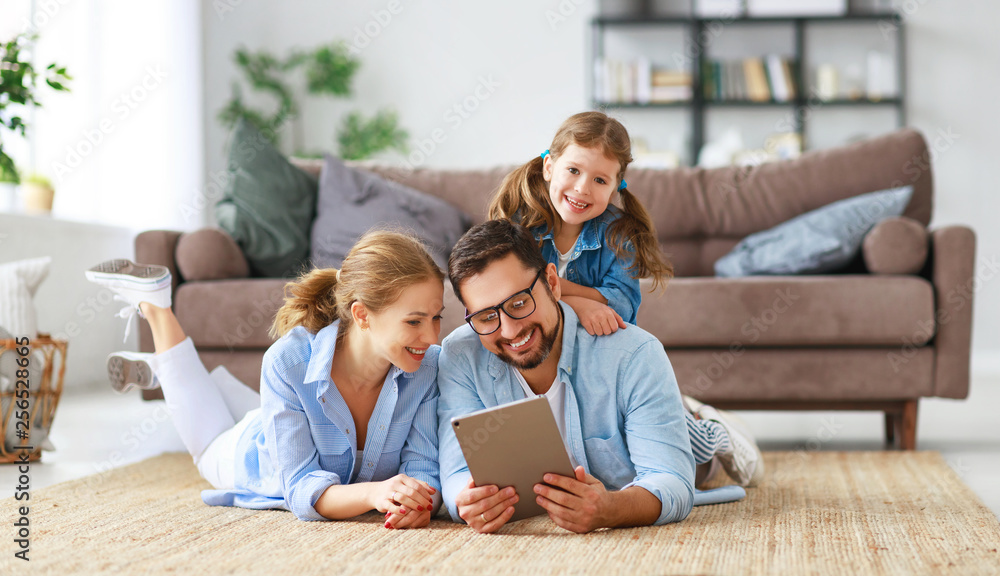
{"x":638,"y":82}
{"x":761,"y":79}
{"x":780,"y":88}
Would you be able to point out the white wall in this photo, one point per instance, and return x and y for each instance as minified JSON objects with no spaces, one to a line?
{"x":68,"y":306}
{"x":432,"y":55}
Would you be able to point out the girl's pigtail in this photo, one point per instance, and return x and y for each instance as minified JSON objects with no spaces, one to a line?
{"x":523,"y":197}
{"x":635,"y":227}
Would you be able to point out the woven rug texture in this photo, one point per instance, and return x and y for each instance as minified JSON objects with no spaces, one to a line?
{"x":816,"y":513}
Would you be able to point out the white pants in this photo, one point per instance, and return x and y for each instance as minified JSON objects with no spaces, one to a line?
{"x":205,"y":409}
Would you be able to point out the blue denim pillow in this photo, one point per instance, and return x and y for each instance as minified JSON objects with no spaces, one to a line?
{"x":820,"y":241}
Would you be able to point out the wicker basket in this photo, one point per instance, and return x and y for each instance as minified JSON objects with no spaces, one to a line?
{"x":46,"y":388}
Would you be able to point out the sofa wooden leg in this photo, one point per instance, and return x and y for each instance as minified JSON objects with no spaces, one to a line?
{"x":890,"y":428}
{"x":908,"y":426}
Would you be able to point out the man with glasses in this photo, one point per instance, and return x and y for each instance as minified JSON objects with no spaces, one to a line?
{"x":614,"y":397}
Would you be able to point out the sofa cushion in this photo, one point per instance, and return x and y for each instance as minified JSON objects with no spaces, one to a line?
{"x":210,"y":254}
{"x":822,"y":240}
{"x":804,"y":374}
{"x":229,"y":314}
{"x":846,"y":310}
{"x":268,"y":205}
{"x":352,"y":201}
{"x":896,"y":246}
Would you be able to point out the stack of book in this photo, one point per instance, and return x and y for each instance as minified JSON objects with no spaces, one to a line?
{"x":638,"y":82}
{"x":670,"y":86}
{"x":767,"y":79}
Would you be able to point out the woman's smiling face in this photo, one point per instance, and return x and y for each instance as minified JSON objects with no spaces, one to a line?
{"x":402,"y":332}
{"x":581,"y":182}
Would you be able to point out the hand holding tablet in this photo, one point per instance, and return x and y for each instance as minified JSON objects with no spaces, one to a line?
{"x":508,"y":449}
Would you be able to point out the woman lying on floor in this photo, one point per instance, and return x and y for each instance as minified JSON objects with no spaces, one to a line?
{"x":347,"y":414}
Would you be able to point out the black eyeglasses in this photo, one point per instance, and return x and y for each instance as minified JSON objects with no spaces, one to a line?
{"x":517,"y":306}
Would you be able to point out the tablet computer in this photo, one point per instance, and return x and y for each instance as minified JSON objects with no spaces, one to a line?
{"x":513,"y":444}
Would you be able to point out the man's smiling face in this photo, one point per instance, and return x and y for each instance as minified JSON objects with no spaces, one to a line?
{"x":523,"y":343}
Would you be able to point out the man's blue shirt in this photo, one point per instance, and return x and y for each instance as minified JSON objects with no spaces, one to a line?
{"x":624,"y":419}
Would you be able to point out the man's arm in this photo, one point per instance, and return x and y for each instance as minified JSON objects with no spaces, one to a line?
{"x":658,"y":446}
{"x":656,"y":432}
{"x":485,"y":508}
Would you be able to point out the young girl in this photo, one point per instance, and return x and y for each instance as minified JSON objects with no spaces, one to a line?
{"x":601,"y":251}
{"x":347,"y":415}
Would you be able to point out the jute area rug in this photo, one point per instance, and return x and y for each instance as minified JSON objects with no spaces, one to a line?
{"x":817,"y":513}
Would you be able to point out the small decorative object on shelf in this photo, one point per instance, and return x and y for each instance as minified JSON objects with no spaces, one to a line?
{"x":718,"y":8}
{"x":31,"y":382}
{"x":693,"y":79}
{"x":827,"y":86}
{"x":769,"y":8}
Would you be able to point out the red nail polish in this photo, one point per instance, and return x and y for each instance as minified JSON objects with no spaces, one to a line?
{"x":387,"y":525}
{"x":420,"y":508}
{"x":402,"y":510}
{"x":387,"y":514}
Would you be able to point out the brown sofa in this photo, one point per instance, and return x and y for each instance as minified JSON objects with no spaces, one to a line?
{"x":855,"y":340}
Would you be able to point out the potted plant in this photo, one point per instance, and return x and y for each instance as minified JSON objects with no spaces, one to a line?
{"x":18,"y":84}
{"x":328,"y":70}
{"x":38,"y":194}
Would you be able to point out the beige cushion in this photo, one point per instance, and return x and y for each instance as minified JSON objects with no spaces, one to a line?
{"x":210,"y":254}
{"x":229,"y":314}
{"x":804,"y":374}
{"x":841,"y":310}
{"x":896,"y":246}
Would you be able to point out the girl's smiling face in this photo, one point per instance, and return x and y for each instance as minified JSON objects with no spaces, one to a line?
{"x":581,"y":182}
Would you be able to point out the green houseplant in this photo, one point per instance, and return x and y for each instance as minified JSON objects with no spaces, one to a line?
{"x":19,"y":82}
{"x":328,"y":71}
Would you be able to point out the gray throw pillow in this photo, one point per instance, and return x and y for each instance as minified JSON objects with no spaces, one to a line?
{"x":352,"y":201}
{"x":819,"y":241}
{"x":268,"y":205}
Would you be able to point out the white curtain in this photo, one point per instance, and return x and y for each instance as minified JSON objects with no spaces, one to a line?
{"x":125,"y":145}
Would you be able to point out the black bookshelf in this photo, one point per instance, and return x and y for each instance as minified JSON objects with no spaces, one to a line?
{"x":695,"y":27}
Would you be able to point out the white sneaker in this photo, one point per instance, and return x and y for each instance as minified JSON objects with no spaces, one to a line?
{"x":745,"y":463}
{"x":133,"y":283}
{"x":692,"y":405}
{"x":131,"y":369}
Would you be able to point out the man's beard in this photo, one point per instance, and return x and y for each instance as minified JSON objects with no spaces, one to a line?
{"x":548,"y":341}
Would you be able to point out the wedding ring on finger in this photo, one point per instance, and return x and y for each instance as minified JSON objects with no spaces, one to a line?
{"x":394,"y":497}
{"x":483,"y":516}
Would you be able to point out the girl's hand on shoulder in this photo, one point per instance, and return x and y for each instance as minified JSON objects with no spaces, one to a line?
{"x":598,"y":319}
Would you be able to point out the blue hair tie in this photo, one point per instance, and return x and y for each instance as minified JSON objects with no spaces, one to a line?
{"x":544,"y":154}
{"x":622,"y":186}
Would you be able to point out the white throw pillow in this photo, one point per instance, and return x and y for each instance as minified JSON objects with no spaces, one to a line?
{"x":39,"y":434}
{"x":18,"y":283}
